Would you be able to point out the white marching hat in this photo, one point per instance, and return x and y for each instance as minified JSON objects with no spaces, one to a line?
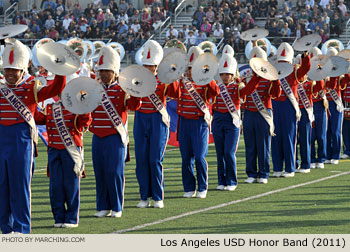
{"x":315,"y":51}
{"x":258,"y":52}
{"x":152,"y":53}
{"x":108,"y":59}
{"x":228,"y":50}
{"x":332,"y":51}
{"x":16,"y":56}
{"x":285,"y":52}
{"x":227,"y":64}
{"x":193,"y":54}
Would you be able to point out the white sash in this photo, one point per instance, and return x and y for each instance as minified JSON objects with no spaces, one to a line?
{"x":21,"y":109}
{"x":337,"y":100}
{"x":198,"y":100}
{"x":263,"y":111}
{"x":115,"y":118}
{"x":306,"y":102}
{"x":67,"y":139}
{"x":286,"y":88}
{"x":230,"y":105}
{"x":158,"y":104}
{"x":324,"y":98}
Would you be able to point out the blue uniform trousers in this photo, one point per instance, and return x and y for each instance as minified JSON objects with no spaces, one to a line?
{"x":108,"y":157}
{"x":226,"y":139}
{"x":16,"y":163}
{"x":283,"y":145}
{"x":346,"y":136}
{"x":319,"y":133}
{"x":257,"y":139}
{"x":64,"y":187}
{"x":151,"y":136}
{"x":193,"y":140}
{"x":304,"y":140}
{"x":335,"y":121}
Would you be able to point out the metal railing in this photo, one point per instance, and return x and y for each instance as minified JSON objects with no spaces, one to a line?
{"x":10,"y":10}
{"x":164,"y":26}
{"x":347,"y":30}
{"x":180,"y":7}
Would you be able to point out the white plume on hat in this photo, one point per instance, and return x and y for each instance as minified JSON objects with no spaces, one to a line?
{"x":332,"y":51}
{"x":315,"y":51}
{"x":16,"y":56}
{"x":193,"y":54}
{"x":258,"y":52}
{"x":152,"y":53}
{"x":108,"y":59}
{"x":228,"y":50}
{"x":285,"y":52}
{"x":227,"y":64}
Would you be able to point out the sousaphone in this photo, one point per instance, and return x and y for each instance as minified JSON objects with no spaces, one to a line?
{"x":79,"y":47}
{"x":332,"y":43}
{"x":119,"y":48}
{"x":173,"y":43}
{"x":264,"y":43}
{"x":98,"y":46}
{"x":208,"y":46}
{"x":90,"y":49}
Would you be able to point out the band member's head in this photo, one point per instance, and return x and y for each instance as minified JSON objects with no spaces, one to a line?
{"x":152,"y":55}
{"x":315,"y":51}
{"x":192,"y":55}
{"x":228,"y":50}
{"x":108,"y":65}
{"x":285,"y":53}
{"x":332,"y":51}
{"x":227,"y":68}
{"x":15,"y":62}
{"x":257,"y":52}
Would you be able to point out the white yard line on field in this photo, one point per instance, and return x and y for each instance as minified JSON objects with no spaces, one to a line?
{"x":226,"y":204}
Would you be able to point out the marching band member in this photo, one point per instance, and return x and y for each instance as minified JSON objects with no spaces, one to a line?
{"x":319,"y":129}
{"x":65,"y":161}
{"x":151,"y":132}
{"x":306,"y":90}
{"x":193,"y":129}
{"x":287,"y":114}
{"x":227,"y":121}
{"x":335,"y":116}
{"x":18,"y":133}
{"x":110,"y":139}
{"x":258,"y":124}
{"x":346,"y":121}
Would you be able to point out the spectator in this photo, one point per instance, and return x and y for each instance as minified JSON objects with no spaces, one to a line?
{"x":51,"y":3}
{"x":323,"y":36}
{"x":299,"y":31}
{"x":136,"y":16}
{"x":227,"y":35}
{"x":185,"y":30}
{"x":335,"y":24}
{"x":206,"y":27}
{"x":156,"y":3}
{"x":123,"y":16}
{"x":263,"y":7}
{"x":325,"y":18}
{"x":123,"y":6}
{"x":243,"y":9}
{"x":312,"y":25}
{"x":220,"y":15}
{"x":52,"y":33}
{"x":218,"y":33}
{"x":49,"y":23}
{"x":129,"y":48}
{"x":216,"y":22}
{"x":320,"y":22}
{"x":140,"y":38}
{"x":76,"y":12}
{"x":273,"y":4}
{"x":247,"y":25}
{"x":191,"y":39}
{"x":326,"y":30}
{"x":227,"y":21}
{"x":60,"y":9}
{"x":248,"y":17}
{"x":201,"y":37}
{"x":274,"y":32}
{"x":122,"y":30}
{"x":234,"y":6}
{"x":329,"y":11}
{"x":300,"y":4}
{"x":288,"y":3}
{"x":311,"y":3}
{"x":343,"y":10}
{"x":210,"y":15}
{"x":198,"y":16}
{"x":285,"y":31}
{"x":35,"y":28}
{"x":131,"y":10}
{"x":1,"y":7}
{"x":171,"y":31}
{"x":136,"y":26}
{"x":113,"y":6}
{"x":181,"y":37}
{"x":157,"y":18}
{"x":108,"y":18}
{"x":145,"y":20}
{"x":226,"y":9}
{"x":323,"y":3}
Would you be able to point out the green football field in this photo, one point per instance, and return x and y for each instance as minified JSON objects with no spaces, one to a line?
{"x":318,"y":202}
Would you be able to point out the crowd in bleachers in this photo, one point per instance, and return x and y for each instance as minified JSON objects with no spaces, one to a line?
{"x":214,"y":20}
{"x":100,"y":20}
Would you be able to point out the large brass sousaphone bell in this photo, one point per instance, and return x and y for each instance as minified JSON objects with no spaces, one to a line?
{"x":79,"y":47}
